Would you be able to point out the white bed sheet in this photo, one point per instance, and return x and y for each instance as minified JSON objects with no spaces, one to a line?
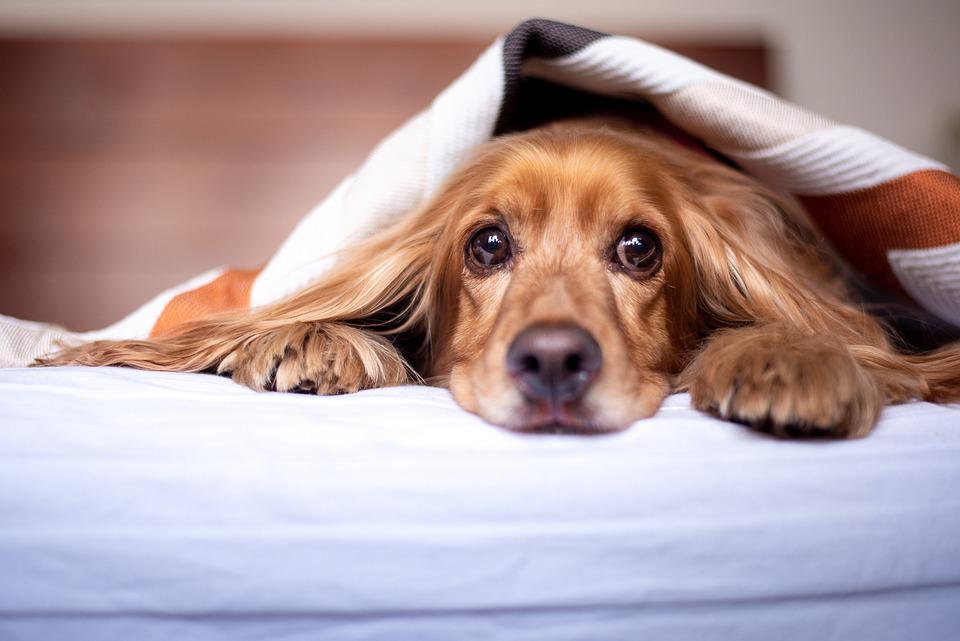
{"x":138,"y":506}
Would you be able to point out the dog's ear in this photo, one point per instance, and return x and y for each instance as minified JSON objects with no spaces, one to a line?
{"x":756,"y":258}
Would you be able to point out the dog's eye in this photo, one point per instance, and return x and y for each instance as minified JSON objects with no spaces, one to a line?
{"x":638,"y":251}
{"x":489,"y":247}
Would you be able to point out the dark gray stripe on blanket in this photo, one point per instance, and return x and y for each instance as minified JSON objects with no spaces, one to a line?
{"x":535,"y":38}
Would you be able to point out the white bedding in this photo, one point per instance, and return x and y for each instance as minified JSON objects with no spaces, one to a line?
{"x":137,"y":506}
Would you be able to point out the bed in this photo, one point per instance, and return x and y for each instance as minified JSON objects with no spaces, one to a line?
{"x":141,"y":506}
{"x":138,"y":505}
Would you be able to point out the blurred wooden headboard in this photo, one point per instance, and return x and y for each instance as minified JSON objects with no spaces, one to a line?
{"x":129,"y":166}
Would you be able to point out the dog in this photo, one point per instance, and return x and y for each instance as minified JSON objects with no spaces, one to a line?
{"x":567,"y":279}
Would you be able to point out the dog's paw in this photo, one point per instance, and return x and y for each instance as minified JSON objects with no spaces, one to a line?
{"x":315,"y":358}
{"x":786,"y":384}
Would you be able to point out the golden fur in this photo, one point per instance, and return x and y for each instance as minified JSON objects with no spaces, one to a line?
{"x":745,"y":311}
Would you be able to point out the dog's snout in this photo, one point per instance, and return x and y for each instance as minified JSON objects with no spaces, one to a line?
{"x":554,"y":363}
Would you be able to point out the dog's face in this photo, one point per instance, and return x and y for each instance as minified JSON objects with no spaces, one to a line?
{"x":569,"y":278}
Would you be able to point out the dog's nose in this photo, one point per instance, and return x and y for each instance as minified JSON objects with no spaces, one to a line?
{"x":555,"y":363}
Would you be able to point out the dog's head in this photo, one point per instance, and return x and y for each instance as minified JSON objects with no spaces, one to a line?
{"x":574,"y":268}
{"x":559,"y":253}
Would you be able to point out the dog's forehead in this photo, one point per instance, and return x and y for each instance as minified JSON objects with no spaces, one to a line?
{"x":577,"y":182}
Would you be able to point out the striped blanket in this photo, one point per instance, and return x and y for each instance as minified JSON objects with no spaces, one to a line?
{"x":893,"y":214}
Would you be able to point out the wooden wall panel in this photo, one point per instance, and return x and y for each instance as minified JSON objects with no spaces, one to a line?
{"x":128,"y":166}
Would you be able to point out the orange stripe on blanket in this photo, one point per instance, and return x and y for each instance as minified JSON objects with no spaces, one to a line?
{"x":917,"y":211}
{"x":231,"y":290}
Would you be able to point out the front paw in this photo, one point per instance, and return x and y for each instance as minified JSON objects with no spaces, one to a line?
{"x":320,"y":358}
{"x":786,"y":384}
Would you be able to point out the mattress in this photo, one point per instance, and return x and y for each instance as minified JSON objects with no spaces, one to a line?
{"x":141,"y":506}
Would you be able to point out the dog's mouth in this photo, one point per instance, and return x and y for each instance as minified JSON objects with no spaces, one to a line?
{"x":567,"y":418}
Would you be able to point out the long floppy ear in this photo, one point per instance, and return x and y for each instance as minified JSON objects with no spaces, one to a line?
{"x":758,"y":261}
{"x":375,"y":308}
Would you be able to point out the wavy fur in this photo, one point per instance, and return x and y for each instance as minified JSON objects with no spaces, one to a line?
{"x":747,"y":313}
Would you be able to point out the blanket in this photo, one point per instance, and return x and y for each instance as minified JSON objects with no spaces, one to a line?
{"x":894,"y":215}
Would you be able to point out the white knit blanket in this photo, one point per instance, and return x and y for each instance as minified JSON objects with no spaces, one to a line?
{"x":856,"y":185}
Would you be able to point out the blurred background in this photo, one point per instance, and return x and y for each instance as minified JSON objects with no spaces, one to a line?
{"x":146,"y":141}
